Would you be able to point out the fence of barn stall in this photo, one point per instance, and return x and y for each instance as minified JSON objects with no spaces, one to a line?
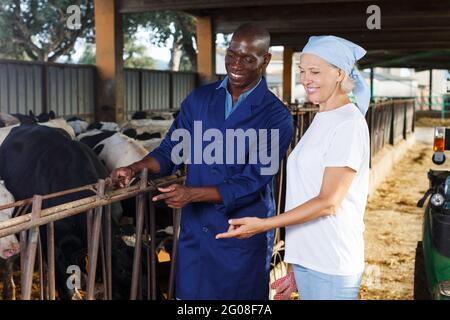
{"x":302,"y":117}
{"x":67,"y":89}
{"x":389,"y":122}
{"x":156,"y":90}
{"x":98,"y":208}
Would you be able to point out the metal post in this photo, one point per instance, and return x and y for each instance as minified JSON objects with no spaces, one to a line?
{"x":51,"y":260}
{"x":108,"y":245}
{"x":152,"y":247}
{"x":176,"y":229}
{"x":95,"y":243}
{"x":41,"y":269}
{"x":138,"y":244}
{"x":30,"y":255}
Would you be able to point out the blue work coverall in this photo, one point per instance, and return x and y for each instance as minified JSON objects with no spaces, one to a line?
{"x":209,"y":268}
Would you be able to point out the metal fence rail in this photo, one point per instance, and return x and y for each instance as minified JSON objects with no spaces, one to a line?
{"x":98,"y":234}
{"x":389,"y":122}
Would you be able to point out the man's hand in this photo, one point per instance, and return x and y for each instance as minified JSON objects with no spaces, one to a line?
{"x":176,"y":196}
{"x":122,"y":176}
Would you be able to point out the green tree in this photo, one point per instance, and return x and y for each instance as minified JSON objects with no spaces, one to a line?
{"x":38,"y":30}
{"x":177,"y":26}
{"x":134,"y":55}
{"x":88,"y":56}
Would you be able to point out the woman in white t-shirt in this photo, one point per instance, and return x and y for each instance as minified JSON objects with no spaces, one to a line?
{"x":327,"y":177}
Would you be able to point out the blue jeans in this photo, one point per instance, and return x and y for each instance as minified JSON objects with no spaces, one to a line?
{"x":313,"y":285}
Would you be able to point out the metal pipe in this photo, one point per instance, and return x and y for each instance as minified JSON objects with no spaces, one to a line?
{"x":51,"y":260}
{"x":95,"y":243}
{"x":176,"y":228}
{"x":138,"y":243}
{"x":24,"y":222}
{"x":108,"y":250}
{"x":147,"y":237}
{"x":105,"y":277}
{"x":89,"y":230}
{"x":152,"y":222}
{"x":41,"y":269}
{"x":31,"y":250}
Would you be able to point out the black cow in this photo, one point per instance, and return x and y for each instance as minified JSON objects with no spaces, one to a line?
{"x":39,"y":160}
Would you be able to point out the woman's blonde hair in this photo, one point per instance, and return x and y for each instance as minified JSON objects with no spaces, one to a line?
{"x":347,"y":84}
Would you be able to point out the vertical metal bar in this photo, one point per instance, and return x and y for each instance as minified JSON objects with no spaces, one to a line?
{"x":171,"y":92}
{"x":138,"y":244}
{"x":23,"y":256}
{"x":176,"y":229}
{"x":51,"y":260}
{"x":31,"y":250}
{"x":107,"y":238}
{"x":95,"y":243}
{"x":147,"y":237}
{"x":44,"y":87}
{"x":152,"y":222}
{"x":140,"y":90}
{"x":105,"y":277}
{"x":41,"y":269}
{"x":89,"y":230}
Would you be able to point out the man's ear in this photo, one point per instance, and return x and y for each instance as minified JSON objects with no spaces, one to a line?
{"x":267,"y":57}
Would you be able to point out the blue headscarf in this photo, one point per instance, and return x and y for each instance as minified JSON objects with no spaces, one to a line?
{"x":342,"y":54}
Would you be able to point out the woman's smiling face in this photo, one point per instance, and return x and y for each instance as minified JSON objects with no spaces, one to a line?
{"x":318,"y":77}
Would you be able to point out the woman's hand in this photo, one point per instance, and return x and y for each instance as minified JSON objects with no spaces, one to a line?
{"x":244,"y":228}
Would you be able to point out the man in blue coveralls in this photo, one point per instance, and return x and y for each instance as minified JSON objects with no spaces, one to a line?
{"x":224,"y":179}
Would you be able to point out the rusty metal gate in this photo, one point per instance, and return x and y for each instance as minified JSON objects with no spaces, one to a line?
{"x":98,"y":208}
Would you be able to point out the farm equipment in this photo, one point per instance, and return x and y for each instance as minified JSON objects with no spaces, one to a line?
{"x":432,"y":264}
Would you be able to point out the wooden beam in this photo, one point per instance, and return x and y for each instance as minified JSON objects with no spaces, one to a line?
{"x":376,"y":40}
{"x":288,"y":53}
{"x":109,"y":61}
{"x":133,"y":6}
{"x":206,"y":50}
{"x":319,"y":25}
{"x":386,"y":62}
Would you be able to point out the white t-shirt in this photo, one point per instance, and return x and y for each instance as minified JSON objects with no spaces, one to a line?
{"x":331,"y":244}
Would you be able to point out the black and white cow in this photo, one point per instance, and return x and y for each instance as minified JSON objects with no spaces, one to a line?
{"x":7,"y":120}
{"x":78,"y":125}
{"x":104,"y":126}
{"x":39,"y":160}
{"x":9,"y":246}
{"x":148,"y":125}
{"x":116,"y":150}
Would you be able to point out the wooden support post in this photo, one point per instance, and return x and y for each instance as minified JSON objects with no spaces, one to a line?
{"x":206,"y":50}
{"x":288,"y":53}
{"x":371,"y":84}
{"x":430,"y":94}
{"x":109,"y":49}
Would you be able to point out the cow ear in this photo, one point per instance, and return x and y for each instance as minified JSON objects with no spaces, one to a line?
{"x":31,"y":114}
{"x":52,"y":114}
{"x":98,"y":148}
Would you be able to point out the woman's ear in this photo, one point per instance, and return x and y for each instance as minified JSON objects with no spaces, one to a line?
{"x":341,"y":75}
